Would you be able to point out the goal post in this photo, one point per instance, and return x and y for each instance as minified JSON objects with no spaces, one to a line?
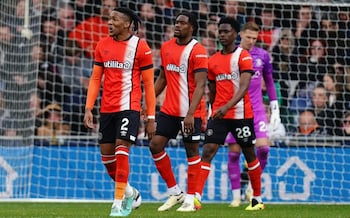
{"x":43,"y":70}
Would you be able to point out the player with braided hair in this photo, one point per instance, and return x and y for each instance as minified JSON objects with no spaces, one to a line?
{"x":122,"y":59}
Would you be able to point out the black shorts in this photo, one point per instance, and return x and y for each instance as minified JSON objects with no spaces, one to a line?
{"x":170,"y":126}
{"x":120,"y":125}
{"x":242,"y":130}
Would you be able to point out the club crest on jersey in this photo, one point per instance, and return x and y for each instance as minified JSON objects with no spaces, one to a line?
{"x":116,"y":64}
{"x":224,"y":76}
{"x":210,"y":132}
{"x":258,"y":62}
{"x":175,"y":68}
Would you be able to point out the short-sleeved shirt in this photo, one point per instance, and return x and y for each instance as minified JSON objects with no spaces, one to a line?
{"x":226,"y":70}
{"x":180,"y":63}
{"x":122,"y":63}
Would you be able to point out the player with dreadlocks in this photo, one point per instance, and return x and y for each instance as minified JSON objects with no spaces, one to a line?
{"x":123,"y":59}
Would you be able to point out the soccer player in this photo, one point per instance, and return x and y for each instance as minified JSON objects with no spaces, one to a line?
{"x":184,"y":67}
{"x":229,"y":75}
{"x":121,"y":59}
{"x":262,"y":70}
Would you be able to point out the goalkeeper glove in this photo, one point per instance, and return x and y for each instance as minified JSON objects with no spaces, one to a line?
{"x":275,"y":119}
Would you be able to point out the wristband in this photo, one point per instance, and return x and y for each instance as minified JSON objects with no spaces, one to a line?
{"x":151,"y":117}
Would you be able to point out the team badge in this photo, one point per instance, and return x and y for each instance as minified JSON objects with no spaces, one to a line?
{"x":210,"y":132}
{"x":258,"y":62}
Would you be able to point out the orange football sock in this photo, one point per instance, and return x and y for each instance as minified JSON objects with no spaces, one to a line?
{"x":202,"y":177}
{"x":254,"y":172}
{"x":122,"y":171}
{"x":109,"y":162}
{"x":119,"y":190}
{"x":163,"y":164}
{"x":194,"y":166}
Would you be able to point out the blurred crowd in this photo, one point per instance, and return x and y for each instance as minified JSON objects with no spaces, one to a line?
{"x":44,"y":77}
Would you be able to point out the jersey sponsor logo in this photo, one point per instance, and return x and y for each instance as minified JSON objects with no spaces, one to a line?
{"x":116,"y":64}
{"x":224,"y":76}
{"x":175,"y":68}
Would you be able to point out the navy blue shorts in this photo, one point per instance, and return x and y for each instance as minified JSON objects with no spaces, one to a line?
{"x":120,"y":125}
{"x":242,"y":130}
{"x":170,"y":126}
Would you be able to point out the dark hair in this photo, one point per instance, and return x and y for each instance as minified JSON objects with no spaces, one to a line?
{"x":192,"y":19}
{"x":132,"y":16}
{"x":230,"y":20}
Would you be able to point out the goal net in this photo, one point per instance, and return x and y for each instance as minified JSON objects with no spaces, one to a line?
{"x":46,"y":54}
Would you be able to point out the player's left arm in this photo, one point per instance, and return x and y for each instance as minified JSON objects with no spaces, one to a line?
{"x":212,"y":91}
{"x":200,"y":61}
{"x":92,"y":94}
{"x":147,"y":73}
{"x":150,"y":98}
{"x":211,"y":83}
{"x":200,"y":80}
{"x":275,"y":119}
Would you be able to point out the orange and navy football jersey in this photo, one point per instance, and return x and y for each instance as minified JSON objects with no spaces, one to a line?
{"x":180,"y":63}
{"x":225,"y":70}
{"x":122,"y":63}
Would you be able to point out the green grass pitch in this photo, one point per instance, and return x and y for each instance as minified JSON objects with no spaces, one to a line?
{"x":96,"y":210}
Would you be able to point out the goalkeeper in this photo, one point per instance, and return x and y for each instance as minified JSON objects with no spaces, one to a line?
{"x":262,"y":70}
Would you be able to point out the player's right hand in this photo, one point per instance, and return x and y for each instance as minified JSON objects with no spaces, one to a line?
{"x":150,"y":128}
{"x":88,"y":119}
{"x":188,"y":124}
{"x":220,"y":113}
{"x":143,"y":113}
